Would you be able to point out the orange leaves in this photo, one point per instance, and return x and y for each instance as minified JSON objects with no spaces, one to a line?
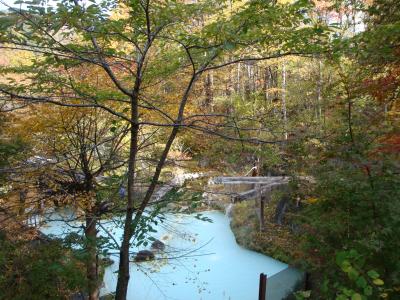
{"x":384,"y":87}
{"x":390,"y":144}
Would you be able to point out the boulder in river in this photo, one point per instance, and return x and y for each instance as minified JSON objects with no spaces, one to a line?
{"x":157,"y":245}
{"x":144,"y":255}
{"x":107,"y":261}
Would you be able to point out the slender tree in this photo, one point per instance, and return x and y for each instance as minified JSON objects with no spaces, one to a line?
{"x":142,"y":47}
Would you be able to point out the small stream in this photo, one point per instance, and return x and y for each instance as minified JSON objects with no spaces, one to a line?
{"x":202,"y":261}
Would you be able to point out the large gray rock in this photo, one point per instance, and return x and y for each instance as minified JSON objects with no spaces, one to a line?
{"x":144,"y":255}
{"x":157,"y":245}
{"x":107,"y":261}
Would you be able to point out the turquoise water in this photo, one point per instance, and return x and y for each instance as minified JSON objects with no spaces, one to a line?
{"x":201,"y":262}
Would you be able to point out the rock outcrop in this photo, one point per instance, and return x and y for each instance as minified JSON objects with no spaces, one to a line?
{"x":144,"y":255}
{"x":157,"y":245}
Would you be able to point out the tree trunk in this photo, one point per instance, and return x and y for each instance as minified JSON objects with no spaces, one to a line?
{"x":208,"y":90}
{"x":130,"y":223}
{"x":123,"y":271}
{"x":284,"y":111}
{"x":22,"y":200}
{"x":238,"y":79}
{"x":266,"y":85}
{"x":230,"y":84}
{"x":248,"y":82}
{"x":92,"y":273}
{"x":319,"y":91}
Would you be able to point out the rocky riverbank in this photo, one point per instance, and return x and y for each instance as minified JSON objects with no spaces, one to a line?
{"x":276,"y":240}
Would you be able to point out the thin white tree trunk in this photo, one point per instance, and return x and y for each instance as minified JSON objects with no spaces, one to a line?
{"x":319,"y":90}
{"x":284,"y":111}
{"x":238,"y":79}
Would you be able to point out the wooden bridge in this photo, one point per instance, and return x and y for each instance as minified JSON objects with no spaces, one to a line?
{"x":257,"y":186}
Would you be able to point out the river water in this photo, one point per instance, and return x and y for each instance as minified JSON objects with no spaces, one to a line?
{"x":202,"y":261}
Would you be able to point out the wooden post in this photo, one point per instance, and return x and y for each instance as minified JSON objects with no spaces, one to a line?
{"x":262,"y":291}
{"x":261,"y":213}
{"x":259,"y":205}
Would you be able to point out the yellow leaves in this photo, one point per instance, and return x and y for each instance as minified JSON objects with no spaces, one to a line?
{"x":315,"y":142}
{"x":378,"y":282}
{"x":312,"y":200}
{"x":15,"y":57}
{"x":120,"y":13}
{"x":275,"y":90}
{"x":86,"y":200}
{"x":384,"y":295}
{"x":53,"y":186}
{"x":284,"y":1}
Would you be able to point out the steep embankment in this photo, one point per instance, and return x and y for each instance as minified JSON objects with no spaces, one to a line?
{"x":276,"y":241}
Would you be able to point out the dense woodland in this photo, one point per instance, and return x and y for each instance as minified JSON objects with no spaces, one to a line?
{"x":103,"y":101}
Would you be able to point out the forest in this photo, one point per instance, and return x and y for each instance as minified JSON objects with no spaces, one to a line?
{"x":177,"y":149}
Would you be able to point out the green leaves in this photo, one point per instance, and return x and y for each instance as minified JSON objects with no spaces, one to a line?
{"x":229,"y":46}
{"x":373,"y":274}
{"x":362,"y":284}
{"x":356,"y":296}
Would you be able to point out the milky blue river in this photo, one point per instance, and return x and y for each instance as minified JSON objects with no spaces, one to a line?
{"x":202,"y":261}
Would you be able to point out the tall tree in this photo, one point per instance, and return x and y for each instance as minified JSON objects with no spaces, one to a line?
{"x":142,"y":47}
